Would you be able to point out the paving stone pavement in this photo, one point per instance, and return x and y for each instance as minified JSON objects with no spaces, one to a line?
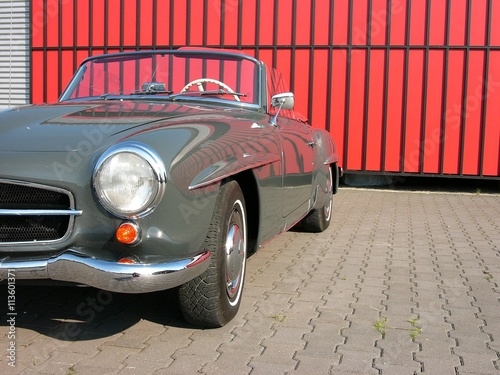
{"x":401,"y":283}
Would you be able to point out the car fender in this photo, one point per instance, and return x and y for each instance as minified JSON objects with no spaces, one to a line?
{"x":231,"y":166}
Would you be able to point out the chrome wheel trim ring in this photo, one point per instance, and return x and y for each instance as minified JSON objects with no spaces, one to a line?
{"x":329,"y":187}
{"x":235,"y":252}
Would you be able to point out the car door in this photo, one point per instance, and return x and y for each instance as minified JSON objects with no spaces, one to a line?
{"x":298,"y":166}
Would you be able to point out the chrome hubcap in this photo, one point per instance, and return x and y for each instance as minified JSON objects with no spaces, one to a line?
{"x":235,"y":257}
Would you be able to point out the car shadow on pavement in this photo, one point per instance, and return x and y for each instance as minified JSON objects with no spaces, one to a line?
{"x":70,"y":313}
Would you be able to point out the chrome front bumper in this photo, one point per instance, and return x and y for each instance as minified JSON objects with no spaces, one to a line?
{"x":75,"y":267}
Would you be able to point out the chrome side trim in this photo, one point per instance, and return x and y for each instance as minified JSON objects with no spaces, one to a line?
{"x":78,"y":268}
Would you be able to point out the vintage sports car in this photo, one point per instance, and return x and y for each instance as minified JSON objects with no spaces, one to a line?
{"x":158,"y":170}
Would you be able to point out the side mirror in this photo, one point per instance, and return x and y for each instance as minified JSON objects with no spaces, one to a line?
{"x":285,"y":100}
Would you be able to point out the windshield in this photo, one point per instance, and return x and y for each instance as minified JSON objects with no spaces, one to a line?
{"x":173,"y":75}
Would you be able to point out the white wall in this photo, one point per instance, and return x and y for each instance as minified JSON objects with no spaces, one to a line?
{"x":14,"y":53}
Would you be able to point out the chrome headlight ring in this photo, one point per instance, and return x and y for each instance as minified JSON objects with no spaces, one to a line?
{"x":129,"y":180}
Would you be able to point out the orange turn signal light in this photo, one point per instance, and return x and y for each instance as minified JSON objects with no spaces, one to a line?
{"x":127,"y":233}
{"x":127,"y":260}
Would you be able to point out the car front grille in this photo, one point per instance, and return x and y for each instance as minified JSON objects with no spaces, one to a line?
{"x":33,"y":213}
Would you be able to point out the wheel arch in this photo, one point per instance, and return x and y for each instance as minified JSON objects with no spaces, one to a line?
{"x":248,"y":184}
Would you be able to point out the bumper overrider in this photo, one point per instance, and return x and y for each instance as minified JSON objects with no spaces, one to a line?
{"x":72,"y":266}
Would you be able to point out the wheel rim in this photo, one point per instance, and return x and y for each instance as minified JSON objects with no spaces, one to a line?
{"x":235,"y":254}
{"x":329,"y":204}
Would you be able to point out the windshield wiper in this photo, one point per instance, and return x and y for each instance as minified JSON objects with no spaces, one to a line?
{"x":222,"y":92}
{"x":204,"y":93}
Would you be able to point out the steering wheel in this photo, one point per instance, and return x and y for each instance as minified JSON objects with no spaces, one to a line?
{"x":198,"y":82}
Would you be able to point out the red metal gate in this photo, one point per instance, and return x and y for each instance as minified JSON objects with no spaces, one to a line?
{"x":405,"y":87}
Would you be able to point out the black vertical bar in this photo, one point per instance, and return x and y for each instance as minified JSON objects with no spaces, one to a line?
{"x":188,"y":23}
{"x":485,"y":89}
{"x":45,"y":59}
{"x":465,"y":90}
{"x":385,"y":108}
{"x":311,"y":57}
{"x":348,"y":84}
{"x":405,"y":86}
{"x":75,"y":39}
{"x":106,"y":29}
{"x":222,"y":22}
{"x":122,"y":24}
{"x":154,"y":25}
{"x":293,"y":45}
{"x":59,"y":48}
{"x":240,"y":25}
{"x":205,"y":22}
{"x":423,"y":120}
{"x":91,"y":26}
{"x":445,"y":89}
{"x":257,"y":29}
{"x":275,"y":37}
{"x":138,"y":25}
{"x":171,"y":24}
{"x":366,"y":99}
{"x":329,"y":78}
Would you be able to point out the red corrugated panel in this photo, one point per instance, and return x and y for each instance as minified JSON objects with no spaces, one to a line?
{"x":67,"y":36}
{"x":395,"y":110}
{"x":433,"y":112}
{"x":146,"y":26}
{"x":478,"y":20}
{"x":322,"y":22}
{"x":340,"y":22}
{"x":356,"y":110}
{"x":398,"y":22}
{"x":378,"y":22}
{"x":162,"y":18}
{"x":491,"y":166}
{"x":180,"y":26}
{"x":375,"y":111}
{"x":338,"y":100}
{"x":82,"y":23}
{"x":451,"y":140}
{"x":474,"y":111}
{"x":413,"y":125}
{"x":458,"y":22}
{"x":319,"y":89}
{"x":437,"y":23}
{"x":196,"y":19}
{"x":388,"y":89}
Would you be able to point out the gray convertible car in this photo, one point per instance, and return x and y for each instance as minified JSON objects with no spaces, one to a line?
{"x":159,"y":170}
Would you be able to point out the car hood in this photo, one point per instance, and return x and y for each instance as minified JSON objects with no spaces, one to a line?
{"x":76,"y":126}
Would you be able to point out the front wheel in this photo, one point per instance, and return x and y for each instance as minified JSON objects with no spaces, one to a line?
{"x":213,"y":298}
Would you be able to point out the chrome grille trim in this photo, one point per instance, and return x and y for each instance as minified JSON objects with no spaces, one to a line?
{"x":17,"y":209}
{"x":70,"y":212}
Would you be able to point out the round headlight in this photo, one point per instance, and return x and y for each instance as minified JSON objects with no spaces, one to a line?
{"x":129,"y":180}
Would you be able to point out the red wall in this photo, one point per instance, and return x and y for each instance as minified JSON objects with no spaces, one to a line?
{"x":405,"y":87}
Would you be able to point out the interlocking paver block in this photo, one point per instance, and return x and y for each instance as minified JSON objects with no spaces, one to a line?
{"x":310,"y":305}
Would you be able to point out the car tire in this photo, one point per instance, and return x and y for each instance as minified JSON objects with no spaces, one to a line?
{"x":213,"y":298}
{"x":318,"y":219}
